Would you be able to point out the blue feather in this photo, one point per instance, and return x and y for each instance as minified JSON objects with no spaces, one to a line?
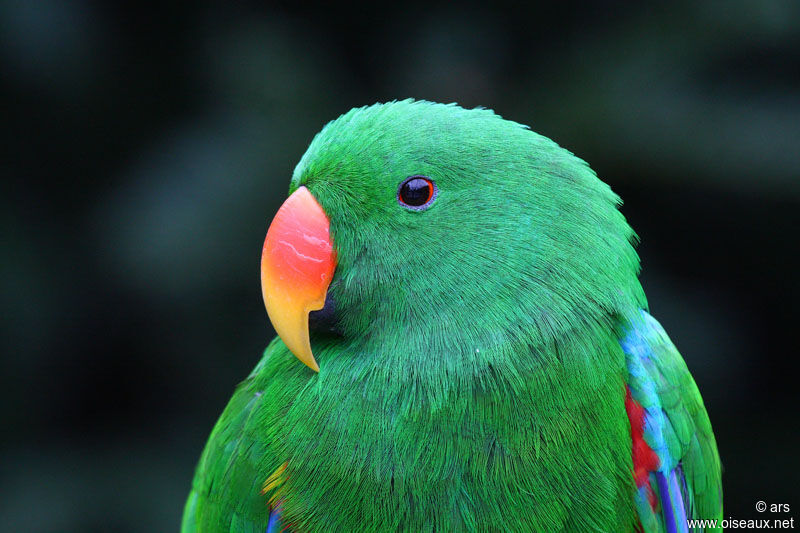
{"x":274,"y":524}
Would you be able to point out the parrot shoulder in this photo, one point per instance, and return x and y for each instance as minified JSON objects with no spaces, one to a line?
{"x":227,"y":488}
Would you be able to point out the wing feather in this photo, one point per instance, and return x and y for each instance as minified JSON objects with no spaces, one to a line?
{"x":227,"y":487}
{"x":688,"y":480}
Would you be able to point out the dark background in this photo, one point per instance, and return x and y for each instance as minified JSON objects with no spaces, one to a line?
{"x":146,"y":147}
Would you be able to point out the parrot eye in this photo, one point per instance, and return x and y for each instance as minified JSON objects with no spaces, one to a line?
{"x":417,"y":193}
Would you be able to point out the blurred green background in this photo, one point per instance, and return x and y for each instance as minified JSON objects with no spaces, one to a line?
{"x":147,"y":145}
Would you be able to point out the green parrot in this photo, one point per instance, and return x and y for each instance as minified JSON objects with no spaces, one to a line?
{"x":463,"y":345}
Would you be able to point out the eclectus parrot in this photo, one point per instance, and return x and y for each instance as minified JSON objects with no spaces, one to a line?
{"x":463,"y":345}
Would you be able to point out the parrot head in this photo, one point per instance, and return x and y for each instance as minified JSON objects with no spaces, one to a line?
{"x":449,"y":236}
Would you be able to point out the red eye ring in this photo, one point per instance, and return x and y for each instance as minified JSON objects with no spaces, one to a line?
{"x":417,"y":192}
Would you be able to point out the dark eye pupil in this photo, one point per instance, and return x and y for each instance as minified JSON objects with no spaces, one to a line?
{"x":416,"y":191}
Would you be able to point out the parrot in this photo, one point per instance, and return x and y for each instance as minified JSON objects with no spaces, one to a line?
{"x":463,"y":344}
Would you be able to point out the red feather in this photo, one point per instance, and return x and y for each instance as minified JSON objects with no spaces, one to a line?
{"x":645,"y":459}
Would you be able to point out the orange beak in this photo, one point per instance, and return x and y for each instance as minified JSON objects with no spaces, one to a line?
{"x":297,"y":265}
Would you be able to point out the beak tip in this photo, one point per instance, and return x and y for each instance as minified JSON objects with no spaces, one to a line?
{"x":306,"y":356}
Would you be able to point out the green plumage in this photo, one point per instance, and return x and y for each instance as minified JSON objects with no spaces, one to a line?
{"x":479,"y":382}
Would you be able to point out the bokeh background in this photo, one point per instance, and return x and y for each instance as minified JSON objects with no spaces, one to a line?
{"x":146,"y":146}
